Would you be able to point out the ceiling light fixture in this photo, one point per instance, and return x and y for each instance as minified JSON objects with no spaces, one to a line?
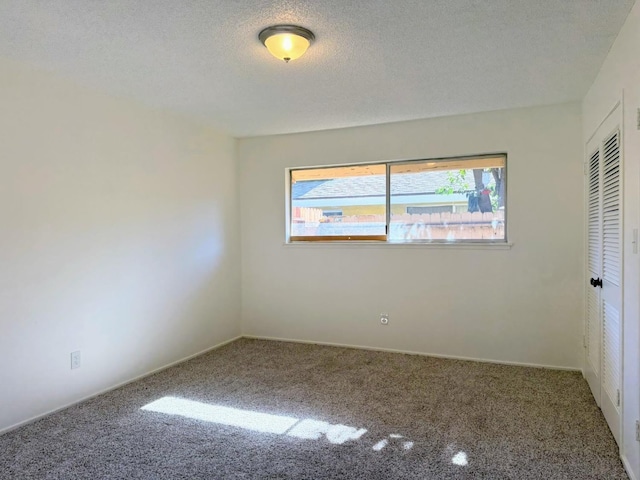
{"x":286,"y":42}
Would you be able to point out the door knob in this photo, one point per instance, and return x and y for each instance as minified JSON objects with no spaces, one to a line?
{"x":596,"y":282}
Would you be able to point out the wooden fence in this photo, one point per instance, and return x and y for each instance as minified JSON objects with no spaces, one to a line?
{"x":305,"y":215}
{"x":434,"y":226}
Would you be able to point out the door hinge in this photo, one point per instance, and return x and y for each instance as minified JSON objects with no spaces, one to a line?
{"x":637,"y":430}
{"x":617,"y":398}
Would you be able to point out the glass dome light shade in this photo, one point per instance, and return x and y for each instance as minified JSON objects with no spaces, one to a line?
{"x":286,"y":42}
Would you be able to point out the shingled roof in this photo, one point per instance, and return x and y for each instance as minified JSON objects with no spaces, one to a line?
{"x":374,"y":185}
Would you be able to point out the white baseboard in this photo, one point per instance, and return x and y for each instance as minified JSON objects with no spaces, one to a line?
{"x":628,"y":468}
{"x":409,"y":352}
{"x":126,"y":382}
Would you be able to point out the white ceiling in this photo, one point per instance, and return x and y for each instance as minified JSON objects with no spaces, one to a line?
{"x":374,"y":61}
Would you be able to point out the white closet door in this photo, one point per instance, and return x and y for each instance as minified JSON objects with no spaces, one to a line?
{"x":603,"y":322}
{"x":611,"y":282}
{"x":594,"y":264}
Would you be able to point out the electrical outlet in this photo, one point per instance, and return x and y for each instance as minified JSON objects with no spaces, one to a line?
{"x":75,"y":360}
{"x":638,"y":430}
{"x":384,"y":319}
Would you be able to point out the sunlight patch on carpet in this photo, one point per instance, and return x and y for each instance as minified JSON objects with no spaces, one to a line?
{"x":394,"y":438}
{"x":258,"y":422}
{"x":380,"y":445}
{"x":460,"y":459}
{"x":336,"y":434}
{"x":233,"y":417}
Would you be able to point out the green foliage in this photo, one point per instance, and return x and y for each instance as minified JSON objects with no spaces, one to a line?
{"x":494,"y":198}
{"x":457,"y":183}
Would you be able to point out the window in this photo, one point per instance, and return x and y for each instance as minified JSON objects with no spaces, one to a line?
{"x":357,"y":191}
{"x":419,"y":201}
{"x":430,"y":209}
{"x":332,"y":213}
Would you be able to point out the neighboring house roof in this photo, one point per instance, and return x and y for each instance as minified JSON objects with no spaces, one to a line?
{"x":374,"y":185}
{"x":301,"y":188}
{"x":346,"y":187}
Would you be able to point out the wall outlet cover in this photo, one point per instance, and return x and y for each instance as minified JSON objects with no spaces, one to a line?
{"x":75,"y":360}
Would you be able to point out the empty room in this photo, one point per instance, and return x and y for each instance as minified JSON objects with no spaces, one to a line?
{"x":320,"y":239}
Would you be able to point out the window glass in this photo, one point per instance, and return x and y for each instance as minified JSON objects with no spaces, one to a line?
{"x":442,"y":200}
{"x":339,"y":203}
{"x":448,"y":200}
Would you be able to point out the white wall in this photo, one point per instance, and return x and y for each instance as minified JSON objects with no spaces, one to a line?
{"x":519,"y":305}
{"x":620,"y":76}
{"x":119,"y":238}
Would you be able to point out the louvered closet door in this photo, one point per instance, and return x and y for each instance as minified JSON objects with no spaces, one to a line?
{"x":611,"y":303}
{"x":603,"y":323}
{"x":593,"y":328}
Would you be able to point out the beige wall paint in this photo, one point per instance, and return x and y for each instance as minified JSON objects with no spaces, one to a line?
{"x":619,"y":79}
{"x":119,"y":239}
{"x":518,"y":305}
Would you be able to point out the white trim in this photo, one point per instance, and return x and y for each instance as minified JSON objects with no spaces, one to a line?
{"x":627,"y":467}
{"x":121,"y":384}
{"x":409,"y":352}
{"x":606,"y":117}
{"x":485,"y":245}
{"x":622,"y":230}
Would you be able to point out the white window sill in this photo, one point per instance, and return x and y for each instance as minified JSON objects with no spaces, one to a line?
{"x":428,"y":245}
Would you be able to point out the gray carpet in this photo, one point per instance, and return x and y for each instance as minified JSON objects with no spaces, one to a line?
{"x":261,"y":409}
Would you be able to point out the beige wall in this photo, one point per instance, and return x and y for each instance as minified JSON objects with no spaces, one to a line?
{"x":619,"y":80}
{"x":522,"y":304}
{"x":119,"y":239}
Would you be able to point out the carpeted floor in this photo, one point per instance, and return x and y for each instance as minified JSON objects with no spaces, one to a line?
{"x":275,"y":410}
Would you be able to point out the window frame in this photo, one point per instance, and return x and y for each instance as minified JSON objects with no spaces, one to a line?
{"x":384,"y":239}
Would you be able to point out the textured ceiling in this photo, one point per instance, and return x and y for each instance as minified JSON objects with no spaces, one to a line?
{"x":374,"y":61}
